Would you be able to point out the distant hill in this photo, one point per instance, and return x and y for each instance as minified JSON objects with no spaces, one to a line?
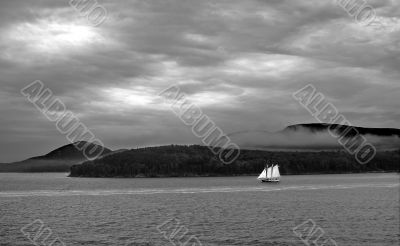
{"x":195,"y":160}
{"x":301,"y":148}
{"x":321,"y":127}
{"x":58,"y":160}
{"x":314,"y":137}
{"x":112,"y":152}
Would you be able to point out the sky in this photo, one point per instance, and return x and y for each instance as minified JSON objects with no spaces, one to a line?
{"x":239,"y":61}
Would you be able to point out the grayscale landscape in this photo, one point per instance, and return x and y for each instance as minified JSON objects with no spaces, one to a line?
{"x":194,"y":123}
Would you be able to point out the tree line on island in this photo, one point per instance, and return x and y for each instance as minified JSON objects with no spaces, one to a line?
{"x":196,"y":160}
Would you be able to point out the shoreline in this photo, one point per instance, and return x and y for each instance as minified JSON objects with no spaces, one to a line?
{"x":237,"y":175}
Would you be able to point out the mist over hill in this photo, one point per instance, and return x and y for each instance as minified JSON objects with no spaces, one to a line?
{"x":305,"y":148}
{"x":322,"y":127}
{"x":58,"y":160}
{"x":314,"y":137}
{"x":302,"y":148}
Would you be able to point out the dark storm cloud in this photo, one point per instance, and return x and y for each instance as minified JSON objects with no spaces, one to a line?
{"x":240,"y":61}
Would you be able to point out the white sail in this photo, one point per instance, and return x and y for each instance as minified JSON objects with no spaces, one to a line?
{"x":263,"y":174}
{"x":269,"y":172}
{"x":275,"y":172}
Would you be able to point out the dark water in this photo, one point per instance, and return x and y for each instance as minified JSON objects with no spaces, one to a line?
{"x":353,"y":209}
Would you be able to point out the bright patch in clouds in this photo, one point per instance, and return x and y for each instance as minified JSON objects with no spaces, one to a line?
{"x":265,"y":65}
{"x":128,"y":97}
{"x":53,"y":37}
{"x":212,"y":99}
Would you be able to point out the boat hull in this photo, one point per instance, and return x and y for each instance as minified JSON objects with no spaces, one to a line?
{"x":270,"y":180}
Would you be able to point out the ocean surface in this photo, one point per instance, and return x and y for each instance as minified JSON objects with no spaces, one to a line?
{"x":348,"y":209}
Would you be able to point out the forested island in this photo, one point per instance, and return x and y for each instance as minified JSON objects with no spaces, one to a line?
{"x":195,"y":160}
{"x":301,"y":151}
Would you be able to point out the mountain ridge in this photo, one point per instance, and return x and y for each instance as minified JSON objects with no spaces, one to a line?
{"x":57,"y":160}
{"x":316,"y":127}
{"x":63,"y":158}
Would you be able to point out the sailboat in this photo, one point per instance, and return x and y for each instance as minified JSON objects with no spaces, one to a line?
{"x":270,"y":174}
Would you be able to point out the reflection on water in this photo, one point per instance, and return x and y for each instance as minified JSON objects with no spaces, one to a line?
{"x":356,"y":209}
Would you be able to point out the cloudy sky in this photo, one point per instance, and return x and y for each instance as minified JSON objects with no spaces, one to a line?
{"x":239,"y":61}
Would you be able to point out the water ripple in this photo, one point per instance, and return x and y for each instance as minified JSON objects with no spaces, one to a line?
{"x":187,"y":190}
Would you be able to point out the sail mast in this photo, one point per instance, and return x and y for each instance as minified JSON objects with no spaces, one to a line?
{"x":270,"y":168}
{"x":272,"y":171}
